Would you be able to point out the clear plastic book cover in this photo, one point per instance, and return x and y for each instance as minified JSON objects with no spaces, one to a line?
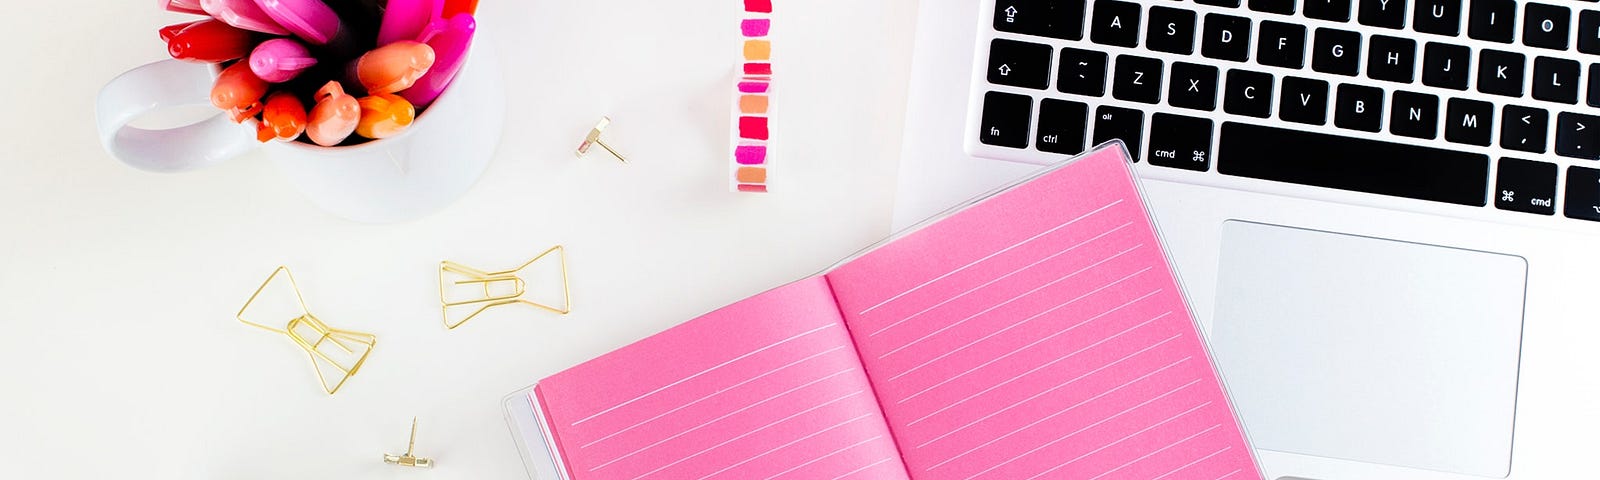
{"x":530,"y":433}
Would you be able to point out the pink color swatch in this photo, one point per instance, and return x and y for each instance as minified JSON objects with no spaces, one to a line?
{"x":1037,"y":334}
{"x":755,"y":68}
{"x":755,"y":27}
{"x":750,"y":154}
{"x":752,"y":87}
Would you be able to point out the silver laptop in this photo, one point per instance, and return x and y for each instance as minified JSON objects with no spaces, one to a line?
{"x":1385,"y":212}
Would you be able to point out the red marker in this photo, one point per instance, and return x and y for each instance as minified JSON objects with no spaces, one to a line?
{"x":210,"y":41}
{"x":170,"y":31}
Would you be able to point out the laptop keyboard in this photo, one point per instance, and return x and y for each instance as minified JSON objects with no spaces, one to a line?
{"x":1461,"y":102}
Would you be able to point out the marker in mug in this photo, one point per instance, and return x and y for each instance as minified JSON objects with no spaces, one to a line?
{"x":208,"y":41}
{"x":244,"y":14}
{"x":391,"y":68}
{"x":450,"y":41}
{"x":280,"y":60}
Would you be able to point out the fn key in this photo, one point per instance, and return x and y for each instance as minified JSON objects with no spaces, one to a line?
{"x":1005,"y":119}
{"x":1180,"y":142}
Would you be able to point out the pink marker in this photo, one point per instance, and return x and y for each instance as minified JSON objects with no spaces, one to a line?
{"x":280,"y":60}
{"x":310,"y":20}
{"x":406,"y":19}
{"x":450,"y":41}
{"x":244,"y":14}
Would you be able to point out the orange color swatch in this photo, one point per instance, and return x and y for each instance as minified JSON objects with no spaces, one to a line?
{"x":752,"y":104}
{"x":752,"y":175}
{"x":757,"y":50}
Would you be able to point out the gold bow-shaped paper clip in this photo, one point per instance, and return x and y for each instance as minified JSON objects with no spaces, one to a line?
{"x":510,"y":287}
{"x":328,"y":347}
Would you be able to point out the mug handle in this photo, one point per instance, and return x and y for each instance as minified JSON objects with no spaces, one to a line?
{"x":161,"y":85}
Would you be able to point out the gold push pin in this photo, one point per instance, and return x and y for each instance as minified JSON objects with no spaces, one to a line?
{"x":409,"y":460}
{"x":594,"y":139}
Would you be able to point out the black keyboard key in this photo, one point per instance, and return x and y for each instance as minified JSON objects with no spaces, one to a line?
{"x":1492,"y":20}
{"x":1445,"y":65}
{"x":1500,"y":73}
{"x":1578,"y":136}
{"x":1019,"y":64}
{"x":1138,"y":79}
{"x":1063,"y":126}
{"x":1226,"y":37}
{"x":1331,"y":10}
{"x":1594,"y":84}
{"x":1392,"y":59}
{"x":1171,"y":30}
{"x":1193,"y":86}
{"x":1115,"y":23}
{"x":1337,"y":52}
{"x":1350,"y":163}
{"x":1583,"y":194}
{"x":1383,"y":13}
{"x":1303,"y":101}
{"x":1005,"y":119}
{"x":1117,"y":123}
{"x":1178,"y":141}
{"x":1589,"y":32}
{"x":1526,"y":186}
{"x":1439,"y":17}
{"x":1285,"y":7}
{"x":1414,"y":115}
{"x":1359,"y":107}
{"x":1248,"y":93}
{"x":1219,"y":3}
{"x":1469,"y":121}
{"x":1545,"y":26}
{"x":1282,"y":45}
{"x":1082,"y":72}
{"x":1046,"y":18}
{"x":1556,"y":79}
{"x":1523,"y":128}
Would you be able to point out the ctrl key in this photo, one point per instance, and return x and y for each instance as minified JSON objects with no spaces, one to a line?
{"x":1528,"y":186}
{"x":1583,"y":193}
{"x":1005,"y":119}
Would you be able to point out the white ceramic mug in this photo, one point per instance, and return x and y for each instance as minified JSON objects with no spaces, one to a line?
{"x":422,"y":169}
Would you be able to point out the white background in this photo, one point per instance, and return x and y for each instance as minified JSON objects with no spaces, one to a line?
{"x":119,"y":353}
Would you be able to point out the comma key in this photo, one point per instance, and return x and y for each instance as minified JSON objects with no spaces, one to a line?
{"x":1178,"y":141}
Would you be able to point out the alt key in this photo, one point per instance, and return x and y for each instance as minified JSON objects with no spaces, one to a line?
{"x":1526,"y":186}
{"x":1583,"y":193}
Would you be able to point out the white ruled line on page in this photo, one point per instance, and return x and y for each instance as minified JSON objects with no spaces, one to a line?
{"x":746,"y":434}
{"x":1019,"y":297}
{"x":702,"y":372}
{"x":824,"y":457}
{"x":715,"y":420}
{"x":1159,"y":450}
{"x":786,"y":445}
{"x":1190,"y":464}
{"x":1120,"y":440}
{"x":1002,"y":277}
{"x":992,"y":255}
{"x":858,"y":470}
{"x":1064,"y":437}
{"x":713,"y":394}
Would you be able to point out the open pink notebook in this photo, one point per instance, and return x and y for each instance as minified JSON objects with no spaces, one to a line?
{"x":1039,"y":333}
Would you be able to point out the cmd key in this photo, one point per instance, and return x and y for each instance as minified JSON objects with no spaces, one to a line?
{"x":1180,"y":141}
{"x":1061,"y":19}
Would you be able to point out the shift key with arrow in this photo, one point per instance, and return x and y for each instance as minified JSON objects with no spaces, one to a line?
{"x":1019,"y":64}
{"x":1578,"y":136}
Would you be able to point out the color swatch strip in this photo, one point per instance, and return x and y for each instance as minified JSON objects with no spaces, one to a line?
{"x":752,"y":114}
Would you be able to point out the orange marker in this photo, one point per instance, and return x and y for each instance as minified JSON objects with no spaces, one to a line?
{"x":384,"y":115}
{"x":334,"y":117}
{"x":238,"y":91}
{"x":392,"y":68}
{"x":283,"y":118}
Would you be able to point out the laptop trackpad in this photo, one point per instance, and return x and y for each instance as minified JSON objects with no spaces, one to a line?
{"x":1367,"y":349}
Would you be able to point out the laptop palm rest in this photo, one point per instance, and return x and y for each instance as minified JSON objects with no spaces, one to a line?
{"x":1368,"y":349}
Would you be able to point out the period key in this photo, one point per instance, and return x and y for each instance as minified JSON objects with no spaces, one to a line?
{"x":1179,"y":141}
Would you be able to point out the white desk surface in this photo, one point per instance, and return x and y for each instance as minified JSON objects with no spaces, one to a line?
{"x":121,"y":356}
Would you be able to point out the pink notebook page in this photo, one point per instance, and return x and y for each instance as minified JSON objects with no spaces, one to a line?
{"x":767,"y":388}
{"x":1041,"y":334}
